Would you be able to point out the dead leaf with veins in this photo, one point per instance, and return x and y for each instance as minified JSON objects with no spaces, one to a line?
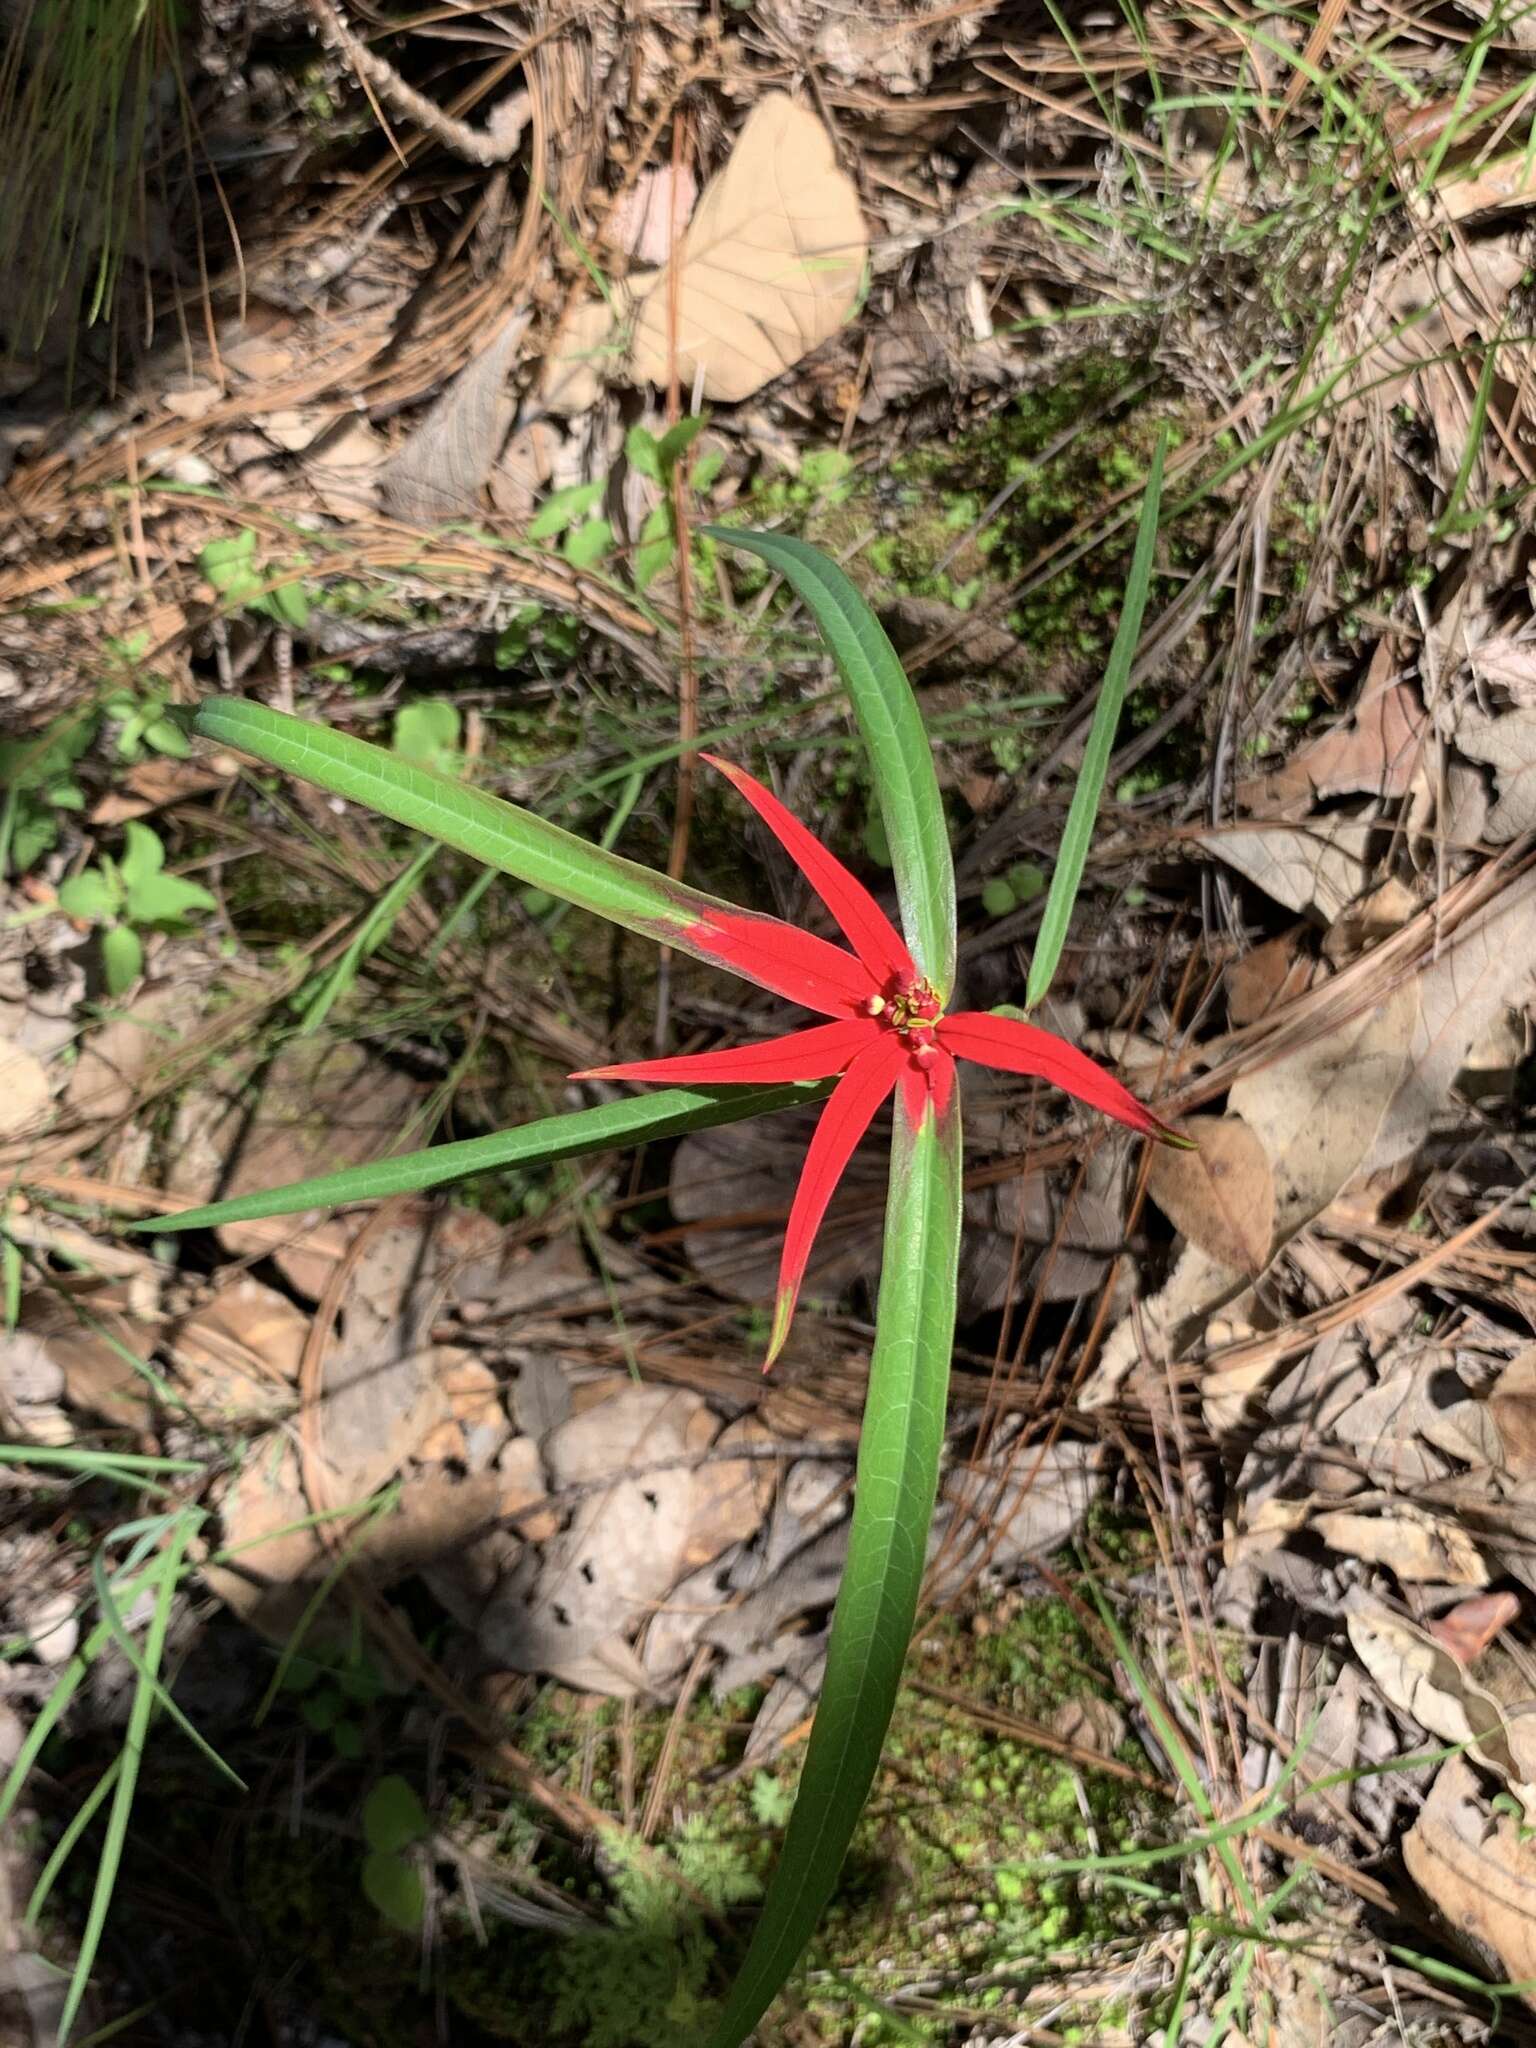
{"x":1220,"y":1196}
{"x":1424,"y":1681}
{"x":770,"y":267}
{"x":1506,"y":743}
{"x":1316,"y":869}
{"x":1479,"y":1870}
{"x":1473,"y":1624}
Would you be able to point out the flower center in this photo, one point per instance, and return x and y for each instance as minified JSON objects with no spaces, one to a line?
{"x":912,"y":1008}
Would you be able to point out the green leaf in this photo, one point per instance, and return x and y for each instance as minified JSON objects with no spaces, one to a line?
{"x":707,"y":468}
{"x":1072,"y":858}
{"x":394,"y":1888}
{"x":500,"y":834}
{"x":677,"y":440}
{"x":563,"y":508}
{"x":428,"y":731}
{"x":669,"y":1112}
{"x":902,"y":761}
{"x":892,"y":1508}
{"x":143,"y":855}
{"x":167,"y":737}
{"x":91,"y":896}
{"x":586,"y":545}
{"x":393,"y":1816}
{"x":823,"y":468}
{"x":122,"y":958}
{"x":165,"y":899}
{"x":230,"y":566}
{"x":642,"y":452}
{"x":288,"y":603}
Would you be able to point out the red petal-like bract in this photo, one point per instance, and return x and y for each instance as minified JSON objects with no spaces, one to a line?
{"x":933,"y":1084}
{"x":809,"y":971}
{"x":812,"y":1055}
{"x":1019,"y":1048}
{"x":863,"y":923}
{"x":846,"y":1118}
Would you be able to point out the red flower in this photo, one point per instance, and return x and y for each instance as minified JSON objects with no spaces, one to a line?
{"x":891,"y":1031}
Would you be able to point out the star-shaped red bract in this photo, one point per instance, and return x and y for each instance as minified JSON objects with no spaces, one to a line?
{"x":890,"y":1030}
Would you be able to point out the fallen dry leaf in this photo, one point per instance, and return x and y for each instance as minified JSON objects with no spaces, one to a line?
{"x":1419,"y":1548}
{"x":1506,"y":743}
{"x":730,"y":1497}
{"x":582,"y":352}
{"x":1509,"y":661}
{"x":1473,"y":1624}
{"x":1266,"y":979}
{"x":1222,"y":1196}
{"x":24,"y":1089}
{"x":437,"y":473}
{"x":1425,"y":1682}
{"x":1376,"y":752}
{"x":238,"y":1357}
{"x":770,"y":266}
{"x":1479,"y":1869}
{"x":1316,"y":869}
{"x":1512,"y":1404}
{"x":652,"y":212}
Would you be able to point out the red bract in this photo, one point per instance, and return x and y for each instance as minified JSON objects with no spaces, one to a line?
{"x":891,"y":1032}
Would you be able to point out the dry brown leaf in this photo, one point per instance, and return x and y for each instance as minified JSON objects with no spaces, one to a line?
{"x":1507,"y":745}
{"x":1420,"y":1548}
{"x":150,"y":784}
{"x":1266,"y":979}
{"x":582,"y":352}
{"x":343,"y":469}
{"x":1316,"y":869}
{"x":730,"y":1498}
{"x":1487,"y":188}
{"x":239,"y":1356}
{"x":1473,"y":1624}
{"x":570,"y":1610}
{"x":770,"y":266}
{"x":1377,"y":752}
{"x":1222,"y":1196}
{"x":437,"y":473}
{"x":1509,"y":661}
{"x":656,"y":208}
{"x":116,"y":1055}
{"x":1425,"y":1682}
{"x":24,"y":1090}
{"x":1512,"y":1404}
{"x":98,"y":1374}
{"x":1480,"y":1871}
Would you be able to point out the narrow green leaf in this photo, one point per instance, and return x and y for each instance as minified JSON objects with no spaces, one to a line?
{"x":892,"y":727}
{"x":500,"y":834}
{"x":892,"y":1509}
{"x":167,"y":1573}
{"x":1067,"y":877}
{"x":667,"y":1113}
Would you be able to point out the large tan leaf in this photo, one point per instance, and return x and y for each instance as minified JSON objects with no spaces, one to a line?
{"x":1313,"y":868}
{"x":1507,"y":744}
{"x":1480,"y":1871}
{"x":1221,"y":1196}
{"x":770,"y":266}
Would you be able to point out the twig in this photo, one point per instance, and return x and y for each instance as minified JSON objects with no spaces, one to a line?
{"x":496,"y":143}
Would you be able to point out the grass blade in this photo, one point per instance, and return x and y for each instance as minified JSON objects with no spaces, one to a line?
{"x":611,"y":1124}
{"x":132,"y":1756}
{"x":1072,"y":857}
{"x":877,"y":1603}
{"x":906,"y":785}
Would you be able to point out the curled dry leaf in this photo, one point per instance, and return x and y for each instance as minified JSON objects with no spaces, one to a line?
{"x":581,"y":353}
{"x":770,"y":266}
{"x":1420,"y":1548}
{"x":1506,"y":743}
{"x":1221,"y":1196}
{"x":238,"y":1356}
{"x":1473,"y":1624}
{"x":1480,"y":1871}
{"x":1424,"y":1681}
{"x":438,"y":472}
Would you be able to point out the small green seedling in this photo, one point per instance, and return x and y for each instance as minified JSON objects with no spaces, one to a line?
{"x":126,"y":896}
{"x":394,"y":1821}
{"x":245,"y":583}
{"x":37,"y":776}
{"x":657,"y":457}
{"x":429,"y":732}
